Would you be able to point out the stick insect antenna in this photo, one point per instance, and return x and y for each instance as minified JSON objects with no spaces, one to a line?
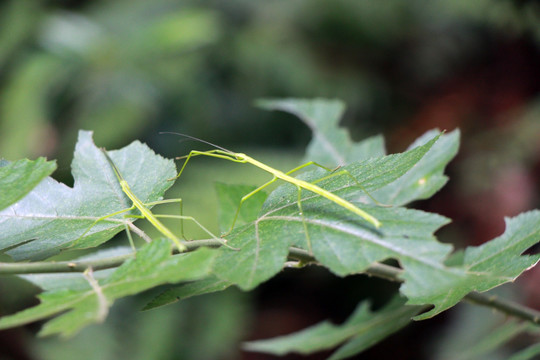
{"x":197,"y":139}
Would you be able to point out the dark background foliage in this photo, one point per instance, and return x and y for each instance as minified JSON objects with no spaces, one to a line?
{"x":130,"y":69}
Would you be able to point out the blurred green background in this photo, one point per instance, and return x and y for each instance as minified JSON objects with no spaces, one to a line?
{"x":130,"y":69}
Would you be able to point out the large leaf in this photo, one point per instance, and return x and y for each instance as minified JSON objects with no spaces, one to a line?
{"x":18,"y":178}
{"x":427,"y":177}
{"x":53,"y":216}
{"x":338,"y":238}
{"x":346,"y":244}
{"x":331,"y":146}
{"x":362,"y":330}
{"x":87,"y":300}
{"x":484,"y":267}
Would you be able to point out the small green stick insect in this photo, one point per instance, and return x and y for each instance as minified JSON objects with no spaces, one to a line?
{"x":147,"y":214}
{"x":223,"y":153}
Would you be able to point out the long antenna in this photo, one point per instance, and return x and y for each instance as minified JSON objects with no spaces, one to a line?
{"x":197,"y":139}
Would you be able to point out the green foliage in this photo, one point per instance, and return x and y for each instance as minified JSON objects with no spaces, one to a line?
{"x":58,"y":216}
{"x":94,"y":56}
{"x":205,"y":286}
{"x":19,"y":177}
{"x":229,"y":197}
{"x":271,"y":232}
{"x":479,"y":333}
{"x":154,"y":265}
{"x":363,"y":329}
{"x":331,"y":145}
{"x":264,"y":243}
{"x":484,"y":267}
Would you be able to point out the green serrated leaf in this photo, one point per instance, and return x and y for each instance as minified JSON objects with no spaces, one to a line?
{"x":53,"y":216}
{"x":362,"y":330}
{"x":229,"y":197}
{"x":196,"y":288}
{"x":261,"y":255}
{"x":427,"y":177}
{"x":154,"y":265}
{"x":484,"y":267}
{"x":337,"y":237}
{"x":331,"y":146}
{"x":372,"y":176}
{"x":18,"y":178}
{"x":345,"y":244}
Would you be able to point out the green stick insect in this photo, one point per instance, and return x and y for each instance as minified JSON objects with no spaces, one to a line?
{"x":145,"y":213}
{"x":223,"y":153}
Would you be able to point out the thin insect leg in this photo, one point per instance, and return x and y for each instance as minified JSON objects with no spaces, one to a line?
{"x":212,"y":153}
{"x":309,"y":164}
{"x":127,"y":225}
{"x":102,"y":219}
{"x":346,"y":172}
{"x":306,"y":232}
{"x":333,"y":173}
{"x":178,"y":200}
{"x":191,"y":153}
{"x":139,"y":232}
{"x":244,"y":198}
{"x":216,"y":152}
{"x":130,"y":238}
{"x":191,"y":218}
{"x":144,"y":211}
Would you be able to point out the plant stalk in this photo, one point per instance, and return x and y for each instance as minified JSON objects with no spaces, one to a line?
{"x":392,"y":273}
{"x":379,"y":270}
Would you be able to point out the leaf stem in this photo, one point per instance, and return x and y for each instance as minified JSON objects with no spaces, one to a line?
{"x":40,"y":267}
{"x":506,"y":306}
{"x":383,"y":271}
{"x":392,"y":273}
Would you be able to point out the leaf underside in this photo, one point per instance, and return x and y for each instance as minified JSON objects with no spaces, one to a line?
{"x":363,"y":329}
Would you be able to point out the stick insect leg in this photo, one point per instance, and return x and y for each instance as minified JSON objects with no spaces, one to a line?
{"x":102,"y":219}
{"x":191,"y":218}
{"x":212,"y":153}
{"x":130,"y":227}
{"x":309,"y":164}
{"x":130,"y":238}
{"x":138,"y":231}
{"x":244,"y":198}
{"x":178,"y":200}
{"x":333,"y":173}
{"x":306,"y":232}
{"x":346,"y":172}
{"x":183,"y":217}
